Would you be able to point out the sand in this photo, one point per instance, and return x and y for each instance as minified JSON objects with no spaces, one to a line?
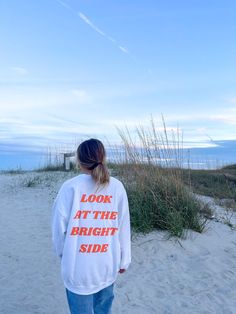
{"x":196,"y":275}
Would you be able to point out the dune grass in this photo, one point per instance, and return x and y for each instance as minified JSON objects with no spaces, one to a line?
{"x":230,"y":167}
{"x":160,"y":190}
{"x":219,"y":183}
{"x":51,"y":167}
{"x":151,"y":170}
{"x":13,"y":171}
{"x":159,"y":200}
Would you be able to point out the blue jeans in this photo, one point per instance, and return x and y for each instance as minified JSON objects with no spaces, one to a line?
{"x":96,"y":303}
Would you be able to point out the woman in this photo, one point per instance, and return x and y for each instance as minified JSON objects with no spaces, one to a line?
{"x":91,"y":232}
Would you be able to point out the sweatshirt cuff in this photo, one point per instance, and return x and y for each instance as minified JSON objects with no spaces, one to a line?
{"x":125,"y":266}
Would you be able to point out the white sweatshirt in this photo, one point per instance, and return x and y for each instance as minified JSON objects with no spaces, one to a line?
{"x":91,"y":233}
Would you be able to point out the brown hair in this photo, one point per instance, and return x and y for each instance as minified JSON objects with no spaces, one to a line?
{"x":91,"y":155}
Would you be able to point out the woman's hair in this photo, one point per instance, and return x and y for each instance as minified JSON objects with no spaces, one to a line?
{"x":91,"y":155}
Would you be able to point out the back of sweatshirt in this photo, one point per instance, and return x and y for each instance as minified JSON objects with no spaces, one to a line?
{"x":91,"y":233}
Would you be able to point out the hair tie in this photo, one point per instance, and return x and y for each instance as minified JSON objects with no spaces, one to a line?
{"x":95,"y":165}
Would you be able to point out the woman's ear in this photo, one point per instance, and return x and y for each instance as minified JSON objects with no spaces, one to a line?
{"x":81,"y":168}
{"x":77,"y":163}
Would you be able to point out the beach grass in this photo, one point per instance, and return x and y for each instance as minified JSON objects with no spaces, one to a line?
{"x":51,"y":167}
{"x":32,"y":181}
{"x":162,"y":194}
{"x":230,"y":167}
{"x":159,"y":200}
{"x":218,"y":183}
{"x":18,"y":170}
{"x":151,"y":170}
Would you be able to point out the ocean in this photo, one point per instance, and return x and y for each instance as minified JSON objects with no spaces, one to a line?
{"x":22,"y":160}
{"x":195,"y":158}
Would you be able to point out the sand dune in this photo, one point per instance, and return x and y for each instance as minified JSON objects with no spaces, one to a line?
{"x":197,"y":275}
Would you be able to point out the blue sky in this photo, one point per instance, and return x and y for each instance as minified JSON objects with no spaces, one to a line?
{"x":72,"y":69}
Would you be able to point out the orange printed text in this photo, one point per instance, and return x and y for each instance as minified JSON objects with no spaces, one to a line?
{"x":92,"y":198}
{"x":97,"y":214}
{"x":84,"y":231}
{"x":93,"y":248}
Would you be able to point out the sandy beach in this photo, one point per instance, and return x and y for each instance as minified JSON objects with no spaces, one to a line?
{"x":195,"y":275}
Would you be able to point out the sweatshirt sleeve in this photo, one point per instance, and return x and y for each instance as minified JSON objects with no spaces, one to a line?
{"x":59,"y":219}
{"x":124,"y":231}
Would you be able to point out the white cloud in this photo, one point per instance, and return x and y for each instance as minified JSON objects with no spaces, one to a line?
{"x":87,"y":21}
{"x":69,"y":123}
{"x":14,"y":121}
{"x":133,"y":123}
{"x":99,"y":31}
{"x":26,"y":99}
{"x":201,"y":130}
{"x":40,"y":127}
{"x":183,"y":117}
{"x":65,"y":5}
{"x":226,"y":118}
{"x":19,"y":71}
{"x":81,"y":95}
{"x":231,"y":100}
{"x":125,"y":50}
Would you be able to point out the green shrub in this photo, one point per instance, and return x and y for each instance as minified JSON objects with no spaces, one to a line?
{"x":159,"y":201}
{"x":158,"y":197}
{"x":215,"y":183}
{"x":32,"y":181}
{"x":230,"y":167}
